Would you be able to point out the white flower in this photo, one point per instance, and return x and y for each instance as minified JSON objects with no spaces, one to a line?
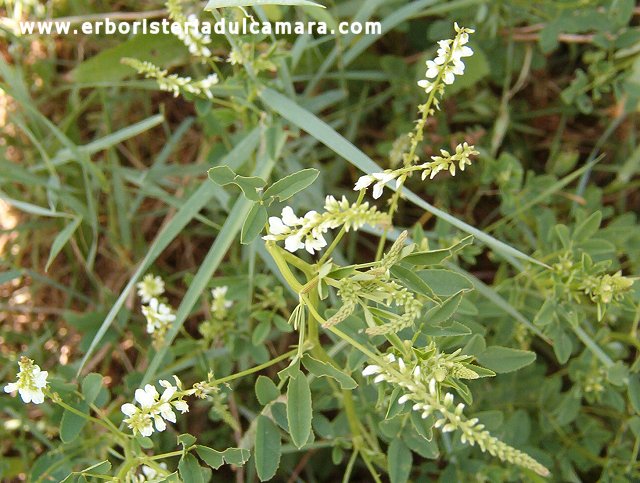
{"x":169,"y":390}
{"x":150,"y":287}
{"x":363,"y":183}
{"x":154,"y":409}
{"x":371,"y":370}
{"x":181,"y":406}
{"x":289,"y":218}
{"x":31,"y":382}
{"x":158,"y":315}
{"x":148,"y":474}
{"x":147,"y":396}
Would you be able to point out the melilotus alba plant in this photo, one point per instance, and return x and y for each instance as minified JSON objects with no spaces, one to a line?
{"x":372,"y":351}
{"x":388,"y":309}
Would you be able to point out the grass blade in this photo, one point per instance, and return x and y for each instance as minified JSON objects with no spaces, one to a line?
{"x":225,"y":238}
{"x":183,"y":216}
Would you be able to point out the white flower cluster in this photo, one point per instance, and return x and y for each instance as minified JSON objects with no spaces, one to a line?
{"x":158,"y":314}
{"x":188,"y":31}
{"x":220,"y":304}
{"x":308,"y":232}
{"x":448,"y":62}
{"x":191,"y":36}
{"x":154,"y":408}
{"x":174,"y":83}
{"x":150,"y":287}
{"x":447,"y":162}
{"x":147,"y":474}
{"x":31,"y":381}
{"x":424,"y":391}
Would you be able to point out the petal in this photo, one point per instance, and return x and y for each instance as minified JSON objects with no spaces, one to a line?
{"x":277,"y":227}
{"x":378,"y":188}
{"x":41,"y":379}
{"x":37,"y":397}
{"x":289,"y":217}
{"x":11,"y":387}
{"x":128,"y":409}
{"x":143,"y":398}
{"x":160,"y":424}
{"x":371,"y":370}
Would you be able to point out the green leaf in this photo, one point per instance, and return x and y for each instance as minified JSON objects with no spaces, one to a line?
{"x":562,"y":346}
{"x":436,"y":257}
{"x":268,"y":448}
{"x":587,"y":228}
{"x":91,"y":386}
{"x":323,"y":369}
{"x":504,"y":359}
{"x":190,"y":469}
{"x":292,"y":184}
{"x":254,"y":224}
{"x":299,"y":411}
{"x":634,"y":391}
{"x":634,"y":425}
{"x":399,"y":459}
{"x":445,"y":283}
{"x":266,"y":390}
{"x":250,"y":185}
{"x":61,"y":240}
{"x":260,"y":332}
{"x":186,"y":440}
{"x":442,"y":313}
{"x":618,"y":374}
{"x":215,"y":459}
{"x":252,"y":3}
{"x":105,"y":67}
{"x":413,"y":282}
{"x":236,"y":456}
{"x":71,"y":424}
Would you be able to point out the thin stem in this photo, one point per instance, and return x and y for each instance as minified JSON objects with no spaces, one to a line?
{"x":255,"y":369}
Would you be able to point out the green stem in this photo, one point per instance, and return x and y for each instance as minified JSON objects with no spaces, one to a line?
{"x":255,"y":369}
{"x":119,"y":435}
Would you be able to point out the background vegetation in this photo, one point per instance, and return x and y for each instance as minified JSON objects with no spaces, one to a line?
{"x":103,"y":177}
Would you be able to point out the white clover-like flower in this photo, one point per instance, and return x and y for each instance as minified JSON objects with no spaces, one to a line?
{"x":308,"y":232}
{"x":158,"y":315}
{"x":448,"y":62}
{"x":151,"y":286}
{"x":31,"y":382}
{"x":155,"y":409}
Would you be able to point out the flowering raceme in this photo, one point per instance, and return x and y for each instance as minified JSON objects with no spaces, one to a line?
{"x":448,"y":62}
{"x":308,"y":232}
{"x":424,"y":391}
{"x":31,"y":382}
{"x":446,"y":162}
